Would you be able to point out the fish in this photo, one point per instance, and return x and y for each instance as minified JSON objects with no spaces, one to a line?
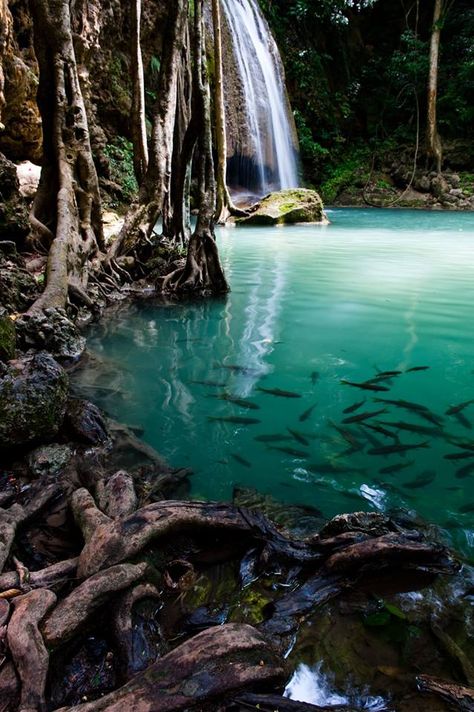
{"x":237,"y":401}
{"x":346,"y":434}
{"x":465,"y":471}
{"x":368,"y":436}
{"x":430,"y":417}
{"x":241,"y":460}
{"x":355,"y":406}
{"x":407,"y":405}
{"x":380,"y":429}
{"x":411,"y":427}
{"x":467,"y":508}
{"x":365,"y":386}
{"x":363,"y":416}
{"x":237,"y":420}
{"x":304,"y":416}
{"x":461,"y":418}
{"x":289,"y":451}
{"x":452,"y":410}
{"x":458,"y":455}
{"x":278,"y":392}
{"x":422,"y":480}
{"x":390,"y":374}
{"x":222,"y":462}
{"x":314,"y":377}
{"x":298,"y":436}
{"x":396,"y":448}
{"x":209,"y":383}
{"x":414,"y":369}
{"x":463,"y":444}
{"x":391,"y":469}
{"x":277,"y":437}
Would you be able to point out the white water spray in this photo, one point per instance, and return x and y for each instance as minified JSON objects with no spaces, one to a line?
{"x":266,"y":108}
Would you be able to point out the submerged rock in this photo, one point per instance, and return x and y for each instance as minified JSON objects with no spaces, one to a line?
{"x":33,"y":393}
{"x":297,"y":205}
{"x":84,"y":422}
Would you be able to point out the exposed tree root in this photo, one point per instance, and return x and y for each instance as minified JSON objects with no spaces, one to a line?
{"x":52,"y":576}
{"x":117,"y":496}
{"x":27,"y":647}
{"x":460,"y":697}
{"x":210,"y":666}
{"x":276,"y":703}
{"x":74,"y":611}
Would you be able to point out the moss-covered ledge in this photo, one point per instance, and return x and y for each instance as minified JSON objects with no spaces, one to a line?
{"x":295,"y":205}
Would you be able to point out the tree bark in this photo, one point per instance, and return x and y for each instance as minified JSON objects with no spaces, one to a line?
{"x":203,"y":271}
{"x":224,"y":204}
{"x":5,"y":36}
{"x":139,"y":137}
{"x":144,"y":214}
{"x":67,"y":203}
{"x":434,"y":147}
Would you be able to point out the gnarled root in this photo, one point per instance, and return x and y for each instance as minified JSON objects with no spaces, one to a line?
{"x":209,"y":666}
{"x":117,"y":496}
{"x":69,"y":615}
{"x":459,"y":696}
{"x":27,"y":647}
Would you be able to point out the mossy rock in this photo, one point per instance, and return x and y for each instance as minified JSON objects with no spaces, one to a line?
{"x":7,"y":337}
{"x":287,"y":207}
{"x":33,"y":395}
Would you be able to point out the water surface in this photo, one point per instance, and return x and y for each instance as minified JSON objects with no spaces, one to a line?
{"x":311,"y":306}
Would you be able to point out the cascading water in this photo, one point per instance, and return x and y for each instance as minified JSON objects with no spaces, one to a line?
{"x":263,"y":153}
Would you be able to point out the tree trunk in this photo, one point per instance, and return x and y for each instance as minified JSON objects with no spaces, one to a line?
{"x":224,"y":204}
{"x":203,"y":271}
{"x":434,"y":148}
{"x":144,"y":214}
{"x":5,"y":35}
{"x":67,"y":204}
{"x":139,"y":138}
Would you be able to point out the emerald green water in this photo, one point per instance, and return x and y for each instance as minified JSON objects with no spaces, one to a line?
{"x":386,"y":290}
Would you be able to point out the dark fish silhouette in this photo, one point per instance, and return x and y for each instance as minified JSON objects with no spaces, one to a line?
{"x":380,"y":429}
{"x":277,"y":437}
{"x":314,"y":377}
{"x":452,"y":410}
{"x":414,"y":369}
{"x":426,"y":478}
{"x":465,"y":471}
{"x":467,"y":508}
{"x":363,"y":416}
{"x":365,"y":386}
{"x":242,"y":403}
{"x":278,"y":392}
{"x":346,"y":433}
{"x":325,"y":468}
{"x":390,"y":374}
{"x":210,"y":383}
{"x":298,"y":436}
{"x":391,"y":469}
{"x":355,"y":406}
{"x":407,"y":405}
{"x":431,"y":417}
{"x":396,"y":448}
{"x":241,"y":460}
{"x":237,"y":420}
{"x":411,"y":427}
{"x":461,"y":418}
{"x":458,"y":455}
{"x":289,"y":451}
{"x":304,"y":416}
{"x":239,"y":369}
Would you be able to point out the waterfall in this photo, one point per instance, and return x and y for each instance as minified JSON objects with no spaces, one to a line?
{"x":262,"y":144}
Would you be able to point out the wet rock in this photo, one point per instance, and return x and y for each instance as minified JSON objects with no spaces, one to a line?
{"x":50,"y":330}
{"x":84,"y":422}
{"x":371,"y":523}
{"x":439,"y":186}
{"x":18,"y":288}
{"x":423,"y":184}
{"x":7,"y":336}
{"x":33,"y":393}
{"x":14,"y":221}
{"x":49,"y":460}
{"x":287,"y":207}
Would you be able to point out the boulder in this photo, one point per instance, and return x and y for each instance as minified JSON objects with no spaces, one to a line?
{"x":84,"y":422}
{"x":298,"y":205}
{"x":14,"y":220}
{"x":50,"y":330}
{"x":33,"y":395}
{"x":49,"y":460}
{"x":28,"y":177}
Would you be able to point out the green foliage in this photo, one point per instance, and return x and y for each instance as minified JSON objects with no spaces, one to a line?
{"x":391,"y":623}
{"x":120,"y":155}
{"x":347,"y":172}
